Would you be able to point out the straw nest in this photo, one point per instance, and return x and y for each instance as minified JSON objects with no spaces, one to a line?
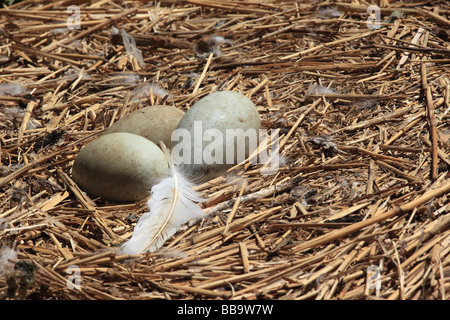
{"x":359,"y":209}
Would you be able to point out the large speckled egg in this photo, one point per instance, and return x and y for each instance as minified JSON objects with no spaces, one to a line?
{"x":155,"y":123}
{"x":216,"y":133}
{"x":119,"y":167}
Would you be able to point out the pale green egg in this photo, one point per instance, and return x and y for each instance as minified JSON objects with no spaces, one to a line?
{"x":119,"y":167}
{"x":155,"y":123}
{"x":216,"y":133}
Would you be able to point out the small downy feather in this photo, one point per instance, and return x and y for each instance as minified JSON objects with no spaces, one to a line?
{"x":171,"y":205}
{"x":8,"y":257}
{"x":130,"y":46}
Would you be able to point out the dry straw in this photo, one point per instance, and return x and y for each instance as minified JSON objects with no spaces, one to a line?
{"x":364,"y":119}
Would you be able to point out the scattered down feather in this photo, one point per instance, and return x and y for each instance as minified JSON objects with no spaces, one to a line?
{"x":130,"y":46}
{"x":171,"y":205}
{"x":8,"y":257}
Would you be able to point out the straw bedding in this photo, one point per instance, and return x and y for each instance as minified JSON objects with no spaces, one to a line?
{"x":359,"y":208}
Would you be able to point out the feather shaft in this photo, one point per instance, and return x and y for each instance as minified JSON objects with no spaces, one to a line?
{"x":170,"y":213}
{"x":171,"y":205}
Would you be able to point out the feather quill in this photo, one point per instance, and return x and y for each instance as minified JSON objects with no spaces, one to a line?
{"x":171,"y":205}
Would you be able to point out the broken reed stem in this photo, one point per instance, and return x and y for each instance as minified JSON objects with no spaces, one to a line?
{"x":444,"y":157}
{"x":398,"y":172}
{"x":436,"y":17}
{"x":82,"y":196}
{"x":93,"y":258}
{"x":370,"y":153}
{"x":371,"y":179}
{"x":377,"y":120}
{"x":433,"y":134}
{"x":240,"y":223}
{"x":406,"y":53}
{"x":406,"y":128}
{"x":426,"y":89}
{"x":258,"y":87}
{"x":254,"y":196}
{"x":365,"y":35}
{"x":36,"y":52}
{"x":25,"y":120}
{"x":202,"y":76}
{"x":88,"y":204}
{"x":91,"y":30}
{"x":338,"y":234}
{"x":244,"y":256}
{"x":17,"y":173}
{"x":199,"y":291}
{"x":235,"y":206}
{"x":25,"y":168}
{"x":297,"y":123}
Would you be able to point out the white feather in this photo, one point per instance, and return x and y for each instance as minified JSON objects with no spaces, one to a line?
{"x":171,"y":205}
{"x":8,"y":257}
{"x":130,"y":46}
